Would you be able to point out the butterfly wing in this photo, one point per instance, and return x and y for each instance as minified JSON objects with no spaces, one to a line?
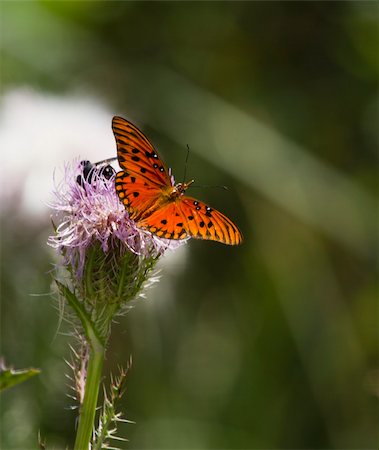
{"x":137,"y":195}
{"x":139,"y":185}
{"x":137,"y":155}
{"x":188,"y":217}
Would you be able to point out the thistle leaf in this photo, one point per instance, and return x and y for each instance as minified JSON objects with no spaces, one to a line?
{"x":10,"y":377}
{"x":89,"y":328}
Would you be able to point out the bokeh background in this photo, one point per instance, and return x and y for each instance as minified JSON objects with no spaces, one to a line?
{"x":269,"y":345}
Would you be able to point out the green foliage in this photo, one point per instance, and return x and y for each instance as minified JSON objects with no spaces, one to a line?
{"x":10,"y":377}
{"x":110,"y":418}
{"x":110,"y":282}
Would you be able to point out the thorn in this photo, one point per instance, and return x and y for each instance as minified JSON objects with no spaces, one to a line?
{"x":73,"y":351}
{"x":70,"y":365}
{"x":72,"y":408}
{"x":116,"y":438}
{"x":125,"y":420}
{"x":71,"y":387}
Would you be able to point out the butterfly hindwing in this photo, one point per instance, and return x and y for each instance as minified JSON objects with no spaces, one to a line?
{"x":205,"y":222}
{"x":137,"y":195}
{"x":188,"y":217}
{"x":137,"y":155}
{"x":165,"y":222}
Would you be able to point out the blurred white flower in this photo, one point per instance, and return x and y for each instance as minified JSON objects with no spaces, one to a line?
{"x":39,"y":132}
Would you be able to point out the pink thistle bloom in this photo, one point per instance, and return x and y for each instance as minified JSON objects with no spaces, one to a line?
{"x":87,"y":210}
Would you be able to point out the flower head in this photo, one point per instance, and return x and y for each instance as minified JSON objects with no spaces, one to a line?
{"x":87,"y":210}
{"x":107,"y":255}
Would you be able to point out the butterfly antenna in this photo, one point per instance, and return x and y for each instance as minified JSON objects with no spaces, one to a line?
{"x":185,"y":164}
{"x":210,"y":186}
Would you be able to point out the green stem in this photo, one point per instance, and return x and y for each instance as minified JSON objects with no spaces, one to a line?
{"x":89,"y":272}
{"x":88,"y":408}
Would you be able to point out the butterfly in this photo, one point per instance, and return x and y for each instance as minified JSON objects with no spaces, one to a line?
{"x":154,"y":201}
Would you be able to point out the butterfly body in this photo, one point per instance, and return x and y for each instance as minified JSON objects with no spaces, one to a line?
{"x":154,"y":201}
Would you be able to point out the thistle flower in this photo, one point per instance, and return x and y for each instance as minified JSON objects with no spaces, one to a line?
{"x":89,"y":210}
{"x":108,"y":260}
{"x":107,"y":256}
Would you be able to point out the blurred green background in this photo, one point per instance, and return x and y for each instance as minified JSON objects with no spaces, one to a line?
{"x":269,"y":345}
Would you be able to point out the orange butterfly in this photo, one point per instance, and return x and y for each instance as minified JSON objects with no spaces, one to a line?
{"x":154,"y":201}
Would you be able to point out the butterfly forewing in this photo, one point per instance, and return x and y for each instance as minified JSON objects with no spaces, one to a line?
{"x":137,"y":155}
{"x":137,"y":194}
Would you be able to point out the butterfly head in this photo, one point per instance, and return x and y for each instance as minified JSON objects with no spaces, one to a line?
{"x":180,"y":188}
